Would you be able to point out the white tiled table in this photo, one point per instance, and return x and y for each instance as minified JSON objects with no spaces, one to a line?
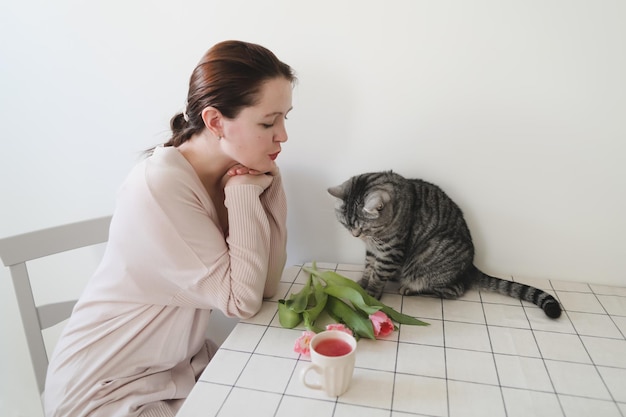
{"x":482,"y":355}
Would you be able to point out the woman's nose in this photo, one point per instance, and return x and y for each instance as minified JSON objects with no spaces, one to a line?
{"x":281,"y":136}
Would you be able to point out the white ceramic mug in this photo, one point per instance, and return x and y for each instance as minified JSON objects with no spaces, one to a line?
{"x":332,"y":358}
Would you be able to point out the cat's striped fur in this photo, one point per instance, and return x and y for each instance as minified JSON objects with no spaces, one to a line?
{"x":415,"y":234}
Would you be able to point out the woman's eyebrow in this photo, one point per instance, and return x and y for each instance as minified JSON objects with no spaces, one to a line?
{"x":278,"y":113}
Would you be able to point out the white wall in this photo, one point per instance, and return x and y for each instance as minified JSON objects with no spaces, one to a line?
{"x":517,"y":109}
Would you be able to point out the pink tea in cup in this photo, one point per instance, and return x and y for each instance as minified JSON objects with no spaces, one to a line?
{"x":332,"y":359}
{"x":333,"y":347}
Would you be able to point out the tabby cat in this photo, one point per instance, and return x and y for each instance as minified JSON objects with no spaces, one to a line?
{"x":415,"y":234}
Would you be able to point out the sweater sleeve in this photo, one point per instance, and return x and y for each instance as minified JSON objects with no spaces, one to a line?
{"x":236,"y":266}
{"x":274,"y":203}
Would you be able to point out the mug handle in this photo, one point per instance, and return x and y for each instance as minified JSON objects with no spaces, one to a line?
{"x":311,"y":367}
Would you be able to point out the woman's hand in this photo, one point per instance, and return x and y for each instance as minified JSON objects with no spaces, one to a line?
{"x":240,"y":174}
{"x":242,"y":170}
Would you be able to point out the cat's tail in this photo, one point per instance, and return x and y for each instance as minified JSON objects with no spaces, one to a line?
{"x":522,"y":291}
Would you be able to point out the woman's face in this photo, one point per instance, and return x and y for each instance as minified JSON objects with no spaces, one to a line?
{"x":255,"y":136}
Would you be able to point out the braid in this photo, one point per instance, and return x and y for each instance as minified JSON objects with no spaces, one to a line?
{"x":182,"y":130}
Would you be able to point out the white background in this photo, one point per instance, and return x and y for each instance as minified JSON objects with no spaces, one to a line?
{"x":516,"y":108}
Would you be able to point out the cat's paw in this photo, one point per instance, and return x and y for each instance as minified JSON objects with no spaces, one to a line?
{"x":376,"y":293}
{"x":373,"y":290}
{"x":406,"y":290}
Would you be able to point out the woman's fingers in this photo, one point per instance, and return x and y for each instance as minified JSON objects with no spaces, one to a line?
{"x":243,"y":170}
{"x":238,"y":170}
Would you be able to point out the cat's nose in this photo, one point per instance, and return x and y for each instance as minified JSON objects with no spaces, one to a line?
{"x":356,"y":232}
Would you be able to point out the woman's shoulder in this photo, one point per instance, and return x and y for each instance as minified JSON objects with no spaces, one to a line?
{"x":168,"y":164}
{"x":167,"y":173}
{"x":168,"y":157}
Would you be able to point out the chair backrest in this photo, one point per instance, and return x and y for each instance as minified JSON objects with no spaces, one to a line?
{"x":17,"y":251}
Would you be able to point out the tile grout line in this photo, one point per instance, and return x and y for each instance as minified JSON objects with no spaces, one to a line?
{"x":445,"y":356}
{"x":607,"y":313}
{"x":395,"y":365}
{"x":282,"y":395}
{"x":543,"y":360}
{"x":595,"y":366}
{"x":493,"y":355}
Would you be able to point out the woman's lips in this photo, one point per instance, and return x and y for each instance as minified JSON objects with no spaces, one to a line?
{"x":274,"y":156}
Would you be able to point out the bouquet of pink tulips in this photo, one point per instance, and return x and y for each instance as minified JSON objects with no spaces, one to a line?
{"x":345,"y":301}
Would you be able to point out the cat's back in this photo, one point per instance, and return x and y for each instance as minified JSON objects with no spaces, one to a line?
{"x":436,"y":210}
{"x":429,"y":193}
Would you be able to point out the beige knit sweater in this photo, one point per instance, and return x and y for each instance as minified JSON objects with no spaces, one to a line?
{"x":135,"y":343}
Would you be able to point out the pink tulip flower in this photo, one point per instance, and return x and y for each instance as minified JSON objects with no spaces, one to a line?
{"x":302,"y":343}
{"x":383,"y":325}
{"x":340,"y":327}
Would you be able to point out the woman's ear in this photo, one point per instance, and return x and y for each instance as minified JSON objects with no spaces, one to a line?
{"x":213,"y":118}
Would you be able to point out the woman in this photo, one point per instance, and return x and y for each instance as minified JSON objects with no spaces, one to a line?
{"x":199,"y":225}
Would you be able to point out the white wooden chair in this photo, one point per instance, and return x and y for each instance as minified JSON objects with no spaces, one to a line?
{"x":17,"y":251}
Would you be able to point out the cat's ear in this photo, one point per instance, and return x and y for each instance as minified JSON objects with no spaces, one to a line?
{"x":337,"y":191}
{"x":375,"y":202}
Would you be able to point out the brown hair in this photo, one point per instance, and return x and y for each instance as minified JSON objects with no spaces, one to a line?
{"x":228,"y":77}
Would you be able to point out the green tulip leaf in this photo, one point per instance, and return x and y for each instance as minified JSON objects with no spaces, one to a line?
{"x":310,"y":323}
{"x":358,"y":322}
{"x":320,"y":297}
{"x":402,"y":318}
{"x":287,"y":317}
{"x":299,"y":301}
{"x":352,"y":295}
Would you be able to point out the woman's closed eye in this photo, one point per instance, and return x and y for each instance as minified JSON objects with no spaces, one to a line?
{"x":268,"y":125}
